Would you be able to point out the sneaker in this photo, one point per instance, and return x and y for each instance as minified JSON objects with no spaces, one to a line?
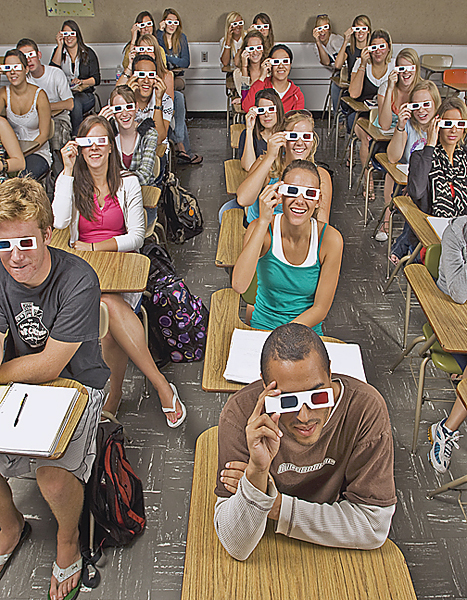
{"x":443,"y":440}
{"x":381,"y":236}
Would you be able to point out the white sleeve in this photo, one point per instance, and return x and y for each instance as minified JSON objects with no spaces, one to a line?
{"x":358,"y":62}
{"x":167,"y":107}
{"x":383,"y":89}
{"x":62,"y":205}
{"x":240,"y":520}
{"x":341,"y":524}
{"x":134,"y":215}
{"x":63,"y":86}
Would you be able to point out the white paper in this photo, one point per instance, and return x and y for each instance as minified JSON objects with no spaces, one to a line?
{"x":403,"y":168}
{"x":438,"y":224}
{"x":243,"y":364}
{"x":41,"y":421}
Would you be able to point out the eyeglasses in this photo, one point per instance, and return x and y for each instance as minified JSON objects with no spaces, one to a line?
{"x":261,"y":110}
{"x":418,"y":105}
{"x":362,"y":29}
{"x":452,"y":123}
{"x":236,"y":24}
{"x":22,"y":243}
{"x":404,"y":68}
{"x":279,"y":61}
{"x":294,"y":191}
{"x":148,"y":74}
{"x":294,"y":401}
{"x":172,"y":22}
{"x":322,"y":27}
{"x":121,"y":107}
{"x":5,"y":68}
{"x":85,"y":142}
{"x":144,"y":24}
{"x":254,"y":48}
{"x":259,"y":26}
{"x":68,"y":33}
{"x":144,"y":49}
{"x":376,"y":47}
{"x":31,"y":54}
{"x":291,"y":136}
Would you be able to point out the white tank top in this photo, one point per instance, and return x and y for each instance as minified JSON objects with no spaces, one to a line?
{"x":26,"y":126}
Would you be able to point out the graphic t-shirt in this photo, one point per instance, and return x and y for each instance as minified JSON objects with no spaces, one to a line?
{"x":65,"y":307}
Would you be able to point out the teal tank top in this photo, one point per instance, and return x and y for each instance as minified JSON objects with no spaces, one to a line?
{"x":284,"y":290}
{"x":253,"y":210}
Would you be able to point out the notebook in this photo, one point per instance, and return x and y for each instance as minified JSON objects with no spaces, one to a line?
{"x":438,"y":224}
{"x":243,"y":364}
{"x":41,"y":420}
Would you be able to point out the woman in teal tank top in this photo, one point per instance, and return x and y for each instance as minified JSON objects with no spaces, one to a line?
{"x":297,"y":257}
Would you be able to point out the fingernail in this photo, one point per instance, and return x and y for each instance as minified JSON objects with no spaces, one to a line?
{"x":280,"y":433}
{"x":227,"y":465}
{"x":222,"y":473}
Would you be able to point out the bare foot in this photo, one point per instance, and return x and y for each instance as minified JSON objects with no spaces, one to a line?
{"x":10,"y":536}
{"x":67,"y":554}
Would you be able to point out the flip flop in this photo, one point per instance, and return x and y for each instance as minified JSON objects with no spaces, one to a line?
{"x":62,"y":575}
{"x":196,"y":159}
{"x":183,"y":157}
{"x":175,"y":397}
{"x":5,"y":559}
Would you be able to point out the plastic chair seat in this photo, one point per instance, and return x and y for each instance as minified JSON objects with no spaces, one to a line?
{"x":250,"y":295}
{"x":455,"y":76}
{"x":441,"y":359}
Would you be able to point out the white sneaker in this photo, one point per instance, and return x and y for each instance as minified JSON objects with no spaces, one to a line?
{"x":381,"y":236}
{"x":443,"y":439}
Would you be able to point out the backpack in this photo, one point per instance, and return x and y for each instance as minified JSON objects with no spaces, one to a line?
{"x":114,"y":493}
{"x":181,"y":210}
{"x":178,"y":320}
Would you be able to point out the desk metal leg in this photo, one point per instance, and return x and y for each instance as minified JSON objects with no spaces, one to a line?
{"x":365,"y":166}
{"x":367,"y":193}
{"x":408,"y":295}
{"x":407,"y":351}
{"x":418,"y":406}
{"x":336,"y":132}
{"x":448,"y":486}
{"x":402,"y":262}
{"x":357,"y":116}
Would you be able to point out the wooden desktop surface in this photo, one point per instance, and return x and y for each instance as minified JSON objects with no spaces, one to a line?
{"x":234,"y":175}
{"x":231,"y":234}
{"x":280,"y":568}
{"x":28,"y":146}
{"x":447,"y":319}
{"x":235,"y":133}
{"x":397,"y":175}
{"x":374,"y":132}
{"x":417,"y":220}
{"x":355,"y":105}
{"x":117,"y":271}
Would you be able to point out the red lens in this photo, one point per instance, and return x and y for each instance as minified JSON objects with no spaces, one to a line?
{"x":319,"y":397}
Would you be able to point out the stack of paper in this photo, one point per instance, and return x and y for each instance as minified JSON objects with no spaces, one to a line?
{"x":243,"y":364}
{"x":438,"y":224}
{"x":403,"y":168}
{"x":41,"y":421}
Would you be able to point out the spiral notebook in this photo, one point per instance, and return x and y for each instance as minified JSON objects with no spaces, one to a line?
{"x":33,"y":417}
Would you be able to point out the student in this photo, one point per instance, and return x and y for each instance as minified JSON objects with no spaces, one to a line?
{"x":290,"y":94}
{"x":143,"y":25}
{"x":324,"y":475}
{"x":253,"y":141}
{"x":81,"y":66}
{"x":58,"y":337}
{"x":297,"y":258}
{"x":356,"y":38}
{"x":251,"y":56}
{"x":103,"y":207}
{"x":370,"y":71}
{"x":55,"y":84}
{"x":175,"y":45}
{"x":263,"y":24}
{"x":452,"y":280}
{"x":438,"y":172}
{"x":233,"y":38}
{"x":269,"y":167}
{"x":11,"y":157}
{"x":328,"y":44}
{"x":28,"y":112}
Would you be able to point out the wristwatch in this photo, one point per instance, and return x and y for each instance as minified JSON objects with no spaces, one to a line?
{"x":158,"y":107}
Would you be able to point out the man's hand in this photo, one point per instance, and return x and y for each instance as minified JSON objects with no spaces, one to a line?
{"x":263,"y":439}
{"x":231,"y":475}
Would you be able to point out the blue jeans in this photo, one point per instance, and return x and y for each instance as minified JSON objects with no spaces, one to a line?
{"x":179,"y":134}
{"x":36,"y":166}
{"x":84,"y":101}
{"x":227,"y":206}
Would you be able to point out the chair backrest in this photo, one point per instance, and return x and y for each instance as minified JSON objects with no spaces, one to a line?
{"x":436,"y":61}
{"x":103,"y":320}
{"x":432,"y":256}
{"x":455,"y":76}
{"x":51,"y":129}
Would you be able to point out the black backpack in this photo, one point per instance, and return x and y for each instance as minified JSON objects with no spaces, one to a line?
{"x":114,"y":493}
{"x":181,"y":211}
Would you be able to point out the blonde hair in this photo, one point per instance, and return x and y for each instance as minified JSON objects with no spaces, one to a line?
{"x":151,"y":40}
{"x":323,"y":19}
{"x":432,"y":89}
{"x":231,"y":18}
{"x":24,"y":199}
{"x":291,"y":119}
{"x":410,"y":55}
{"x":366,"y":21}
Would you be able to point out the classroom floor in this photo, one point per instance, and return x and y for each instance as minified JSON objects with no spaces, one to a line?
{"x":430,"y":533}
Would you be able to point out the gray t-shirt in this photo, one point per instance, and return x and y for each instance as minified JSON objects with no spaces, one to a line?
{"x":65,"y":307}
{"x":415,"y":141}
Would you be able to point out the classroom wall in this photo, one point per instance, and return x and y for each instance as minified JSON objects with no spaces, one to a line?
{"x":419,"y":21}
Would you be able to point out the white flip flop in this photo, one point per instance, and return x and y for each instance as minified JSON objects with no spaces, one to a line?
{"x":175,"y":397}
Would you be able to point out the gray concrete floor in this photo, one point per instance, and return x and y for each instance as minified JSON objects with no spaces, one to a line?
{"x":430,"y":533}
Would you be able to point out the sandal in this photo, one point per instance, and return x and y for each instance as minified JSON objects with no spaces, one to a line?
{"x":183,"y":157}
{"x":62,"y":575}
{"x":196,"y":159}
{"x":5,"y":559}
{"x":382,"y":235}
{"x":394,"y":259}
{"x":175,"y":397}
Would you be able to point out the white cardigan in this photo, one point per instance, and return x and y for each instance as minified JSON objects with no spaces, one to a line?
{"x":131,"y":202}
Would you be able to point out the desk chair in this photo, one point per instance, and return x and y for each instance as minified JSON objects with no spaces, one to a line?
{"x":358,"y":108}
{"x":431,"y":349}
{"x":343,"y":83}
{"x":235,"y":132}
{"x":234,"y":175}
{"x":230,"y":241}
{"x":435,"y":63}
{"x":456,"y":79}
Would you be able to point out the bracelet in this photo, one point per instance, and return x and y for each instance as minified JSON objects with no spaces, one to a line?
{"x":362,"y":69}
{"x":158,"y":107}
{"x":92,"y":246}
{"x":226,"y":47}
{"x":403,"y":129}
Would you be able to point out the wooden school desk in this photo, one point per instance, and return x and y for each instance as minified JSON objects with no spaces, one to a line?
{"x":231,"y":234}
{"x":376,"y":136}
{"x":234,"y":175}
{"x":359,"y":108}
{"x":117,"y":271}
{"x":280,"y":568}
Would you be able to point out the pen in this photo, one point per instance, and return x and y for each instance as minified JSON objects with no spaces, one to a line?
{"x":21,"y":406}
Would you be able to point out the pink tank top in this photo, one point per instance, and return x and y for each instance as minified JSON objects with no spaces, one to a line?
{"x":109,"y":222}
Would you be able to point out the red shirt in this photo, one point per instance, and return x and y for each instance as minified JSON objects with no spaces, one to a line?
{"x":293,"y":98}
